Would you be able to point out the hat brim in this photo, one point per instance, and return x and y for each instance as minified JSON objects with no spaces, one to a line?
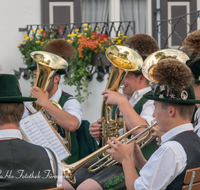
{"x":171,"y":100}
{"x":59,"y":71}
{"x":32,"y":68}
{"x":196,"y":81}
{"x":16,"y":99}
{"x":138,"y":72}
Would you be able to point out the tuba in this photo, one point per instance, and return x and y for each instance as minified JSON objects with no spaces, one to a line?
{"x":47,"y":65}
{"x":123,"y":59}
{"x":152,"y":60}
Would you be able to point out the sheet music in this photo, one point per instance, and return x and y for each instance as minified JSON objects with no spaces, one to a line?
{"x":37,"y":130}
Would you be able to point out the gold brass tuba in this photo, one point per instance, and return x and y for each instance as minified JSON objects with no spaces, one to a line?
{"x":152,"y":60}
{"x":123,"y":59}
{"x":47,"y":65}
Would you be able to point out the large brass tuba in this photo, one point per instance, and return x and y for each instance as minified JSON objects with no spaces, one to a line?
{"x":47,"y":65}
{"x":123,"y":59}
{"x":152,"y":60}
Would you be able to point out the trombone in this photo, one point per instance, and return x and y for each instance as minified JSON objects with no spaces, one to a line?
{"x":70,"y":170}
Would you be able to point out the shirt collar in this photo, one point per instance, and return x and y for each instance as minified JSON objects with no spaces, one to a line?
{"x":137,"y":95}
{"x":10,"y":134}
{"x":140,"y":92}
{"x":175,"y":131}
{"x":57,"y":95}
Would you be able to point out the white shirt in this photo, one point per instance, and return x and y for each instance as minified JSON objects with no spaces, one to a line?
{"x":197,"y":117}
{"x":71,"y":106}
{"x":148,"y":107}
{"x":165,"y":164}
{"x":14,"y":133}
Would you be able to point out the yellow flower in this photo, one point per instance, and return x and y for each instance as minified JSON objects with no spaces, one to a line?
{"x":119,"y":41}
{"x":121,"y":34}
{"x":77,"y":30}
{"x":33,"y":31}
{"x":125,"y":36}
{"x":26,"y":35}
{"x":102,"y":47}
{"x":89,"y":26}
{"x":99,"y":45}
{"x":85,"y":34}
{"x":73,"y":35}
{"x":24,"y":42}
{"x":97,"y":29}
{"x":69,"y":41}
{"x":69,"y":35}
{"x":37,"y":41}
{"x":18,"y":45}
{"x":79,"y":35}
{"x":84,"y":24}
{"x":40,"y":29}
{"x":117,"y":38}
{"x":86,"y":29}
{"x":42,"y":43}
{"x":27,"y":38}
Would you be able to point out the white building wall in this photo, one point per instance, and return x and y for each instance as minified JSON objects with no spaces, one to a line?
{"x":15,"y":14}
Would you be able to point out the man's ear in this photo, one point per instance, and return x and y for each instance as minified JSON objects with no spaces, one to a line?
{"x":142,"y":78}
{"x":56,"y":78}
{"x":171,"y":111}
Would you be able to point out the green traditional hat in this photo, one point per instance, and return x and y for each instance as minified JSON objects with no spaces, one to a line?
{"x":194,"y":65}
{"x":59,"y":71}
{"x":174,"y":83}
{"x":10,"y":90}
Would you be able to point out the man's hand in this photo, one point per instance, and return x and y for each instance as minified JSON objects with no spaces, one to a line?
{"x":139,"y":159}
{"x":119,"y":151}
{"x":42,"y":97}
{"x":155,"y":131}
{"x":112,"y":97}
{"x":95,"y":129}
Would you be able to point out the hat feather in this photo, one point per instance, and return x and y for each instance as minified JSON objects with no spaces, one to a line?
{"x":173,"y":74}
{"x":61,"y":48}
{"x":192,"y":42}
{"x":143,"y":44}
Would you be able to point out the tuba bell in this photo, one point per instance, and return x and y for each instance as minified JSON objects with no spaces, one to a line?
{"x":123,"y":59}
{"x":152,"y":60}
{"x":47,"y":66}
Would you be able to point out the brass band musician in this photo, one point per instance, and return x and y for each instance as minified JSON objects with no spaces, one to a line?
{"x":174,"y":102}
{"x":133,"y":106}
{"x":192,"y":45}
{"x":70,"y":117}
{"x":21,"y":167}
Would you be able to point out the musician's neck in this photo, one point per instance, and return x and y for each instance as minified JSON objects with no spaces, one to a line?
{"x":53,"y":91}
{"x":9,"y":126}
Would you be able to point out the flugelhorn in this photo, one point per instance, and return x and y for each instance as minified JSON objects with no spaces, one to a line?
{"x":70,"y":170}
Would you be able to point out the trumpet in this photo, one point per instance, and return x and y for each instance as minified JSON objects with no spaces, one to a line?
{"x":70,"y":170}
